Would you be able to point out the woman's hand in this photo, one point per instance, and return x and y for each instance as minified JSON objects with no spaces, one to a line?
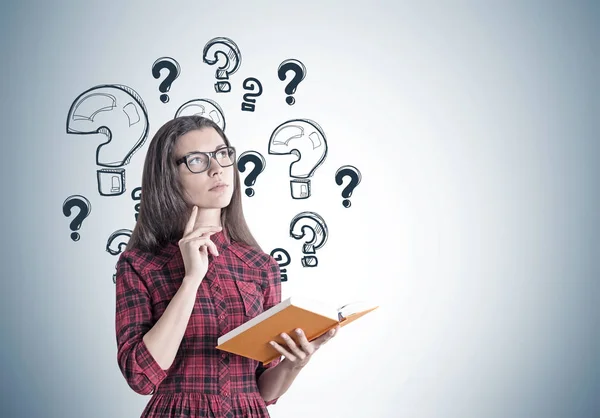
{"x":194,"y":247}
{"x":296,"y":356}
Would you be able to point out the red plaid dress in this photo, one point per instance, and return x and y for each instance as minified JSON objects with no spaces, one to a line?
{"x":202,"y":381}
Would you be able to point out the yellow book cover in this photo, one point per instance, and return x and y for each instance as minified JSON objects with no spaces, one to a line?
{"x":315,"y":318}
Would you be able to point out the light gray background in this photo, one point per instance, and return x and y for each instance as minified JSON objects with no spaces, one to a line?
{"x":475,"y":227}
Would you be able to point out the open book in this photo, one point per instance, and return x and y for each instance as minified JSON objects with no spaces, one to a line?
{"x":315,"y":318}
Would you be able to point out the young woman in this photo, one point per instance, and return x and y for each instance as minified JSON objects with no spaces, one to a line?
{"x":192,"y":271}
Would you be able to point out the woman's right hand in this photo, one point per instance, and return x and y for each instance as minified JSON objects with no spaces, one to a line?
{"x":194,"y":247}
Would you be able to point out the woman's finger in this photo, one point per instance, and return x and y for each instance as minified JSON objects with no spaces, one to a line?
{"x":326,"y":337}
{"x":304,"y":343}
{"x":198,"y":241}
{"x":193,"y":235}
{"x":190,"y":223}
{"x":293,"y":347}
{"x":203,"y":230}
{"x":213,"y":248}
{"x":283,"y":351}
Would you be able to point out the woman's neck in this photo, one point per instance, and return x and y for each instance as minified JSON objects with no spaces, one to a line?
{"x":208,"y":217}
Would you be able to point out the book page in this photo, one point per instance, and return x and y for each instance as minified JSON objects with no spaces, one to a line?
{"x":354,"y":307}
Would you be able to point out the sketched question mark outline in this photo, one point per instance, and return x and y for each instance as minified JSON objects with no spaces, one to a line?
{"x":121,"y":245}
{"x":316,"y":224}
{"x":222,"y":47}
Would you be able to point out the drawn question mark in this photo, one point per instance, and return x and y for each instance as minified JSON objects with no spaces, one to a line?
{"x":224,"y":47}
{"x":304,"y":139}
{"x":315,"y":223}
{"x":283,"y":259}
{"x":249,"y":98}
{"x":136,"y":194}
{"x":85,"y":208}
{"x":355,"y":178}
{"x":259,"y":165}
{"x":173,"y":69}
{"x":203,"y":107}
{"x":121,"y":245}
{"x":299,"y":73}
{"x":119,"y":114}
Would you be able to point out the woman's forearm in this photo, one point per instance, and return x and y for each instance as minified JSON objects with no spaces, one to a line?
{"x":164,"y":338}
{"x":275,"y":381}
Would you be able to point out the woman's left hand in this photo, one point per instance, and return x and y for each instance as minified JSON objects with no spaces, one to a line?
{"x":298,"y":356}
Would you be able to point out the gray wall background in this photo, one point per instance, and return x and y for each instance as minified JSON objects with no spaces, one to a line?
{"x":475,"y":227}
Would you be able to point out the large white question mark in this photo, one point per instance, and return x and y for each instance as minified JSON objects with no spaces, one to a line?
{"x":203,"y":107}
{"x":305,"y":139}
{"x":118,"y":113}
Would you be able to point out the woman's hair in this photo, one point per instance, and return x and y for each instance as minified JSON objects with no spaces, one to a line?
{"x":163,"y":210}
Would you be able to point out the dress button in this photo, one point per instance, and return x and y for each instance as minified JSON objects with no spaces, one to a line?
{"x":221,"y":316}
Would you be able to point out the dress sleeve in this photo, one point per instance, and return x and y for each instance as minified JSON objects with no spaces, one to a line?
{"x":272,"y":296}
{"x":132,"y":320}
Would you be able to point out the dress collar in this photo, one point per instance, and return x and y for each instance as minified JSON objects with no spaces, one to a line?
{"x":221,"y":240}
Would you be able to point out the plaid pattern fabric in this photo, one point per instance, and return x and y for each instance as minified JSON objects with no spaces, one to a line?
{"x":202,"y":381}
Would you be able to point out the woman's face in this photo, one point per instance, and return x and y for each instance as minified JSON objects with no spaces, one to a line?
{"x":199,"y":187}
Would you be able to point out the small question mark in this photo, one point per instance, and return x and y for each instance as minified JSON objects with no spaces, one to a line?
{"x":174,"y":70}
{"x":249,"y":84}
{"x":355,"y":178}
{"x":278,"y":254}
{"x":314,"y":222}
{"x":259,"y":165}
{"x":136,"y":194}
{"x":120,"y":247}
{"x":299,"y":73}
{"x":85,"y":208}
{"x":227,"y":48}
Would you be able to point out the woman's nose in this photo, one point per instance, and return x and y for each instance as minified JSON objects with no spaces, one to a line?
{"x":215,"y":167}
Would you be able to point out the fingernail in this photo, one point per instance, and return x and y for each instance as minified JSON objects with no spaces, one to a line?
{"x":272,"y":342}
{"x":299,"y":331}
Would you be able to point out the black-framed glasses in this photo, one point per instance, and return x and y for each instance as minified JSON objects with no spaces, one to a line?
{"x":198,"y":162}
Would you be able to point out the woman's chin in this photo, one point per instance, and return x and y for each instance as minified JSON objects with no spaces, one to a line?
{"x":216,"y":203}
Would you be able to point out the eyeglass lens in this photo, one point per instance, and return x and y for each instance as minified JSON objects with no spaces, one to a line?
{"x":198,"y":162}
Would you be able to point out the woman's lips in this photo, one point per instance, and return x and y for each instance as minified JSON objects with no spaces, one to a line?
{"x":218,"y":188}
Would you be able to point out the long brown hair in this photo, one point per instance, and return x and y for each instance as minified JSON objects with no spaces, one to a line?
{"x":163,"y":211}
